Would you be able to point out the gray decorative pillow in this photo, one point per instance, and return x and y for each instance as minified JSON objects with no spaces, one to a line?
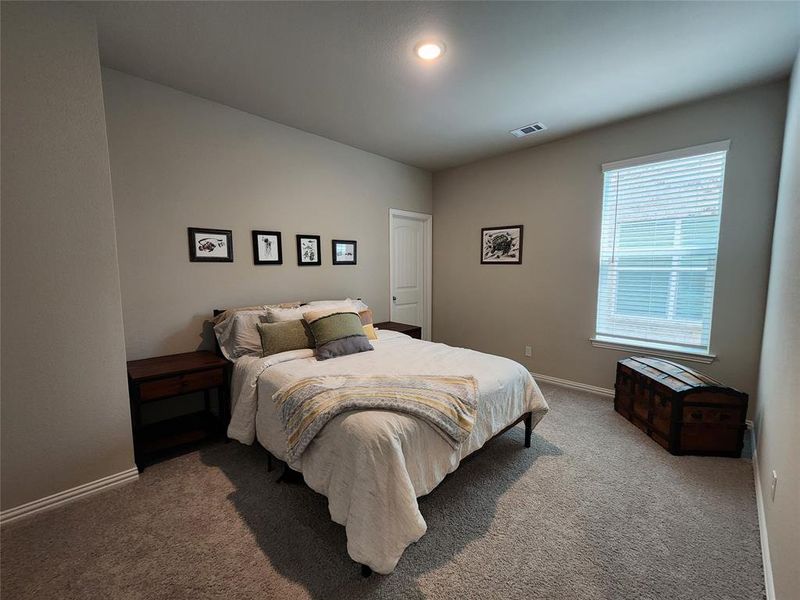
{"x":342,"y":347}
{"x":284,"y":336}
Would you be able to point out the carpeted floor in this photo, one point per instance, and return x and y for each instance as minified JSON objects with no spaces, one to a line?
{"x":594,"y":510}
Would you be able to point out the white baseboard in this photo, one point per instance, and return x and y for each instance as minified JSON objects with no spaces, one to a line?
{"x":70,"y":495}
{"x":769,"y":584}
{"x":575,"y":385}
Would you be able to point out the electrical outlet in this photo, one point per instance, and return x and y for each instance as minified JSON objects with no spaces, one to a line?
{"x":774,"y":484}
{"x":528,"y":351}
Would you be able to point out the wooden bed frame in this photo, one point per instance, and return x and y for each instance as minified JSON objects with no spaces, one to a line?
{"x":290,"y":475}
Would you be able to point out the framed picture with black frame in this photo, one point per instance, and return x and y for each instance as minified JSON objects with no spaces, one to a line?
{"x":210,"y":245}
{"x":344,"y":252}
{"x":501,"y":245}
{"x":267,"y":248}
{"x":309,"y":250}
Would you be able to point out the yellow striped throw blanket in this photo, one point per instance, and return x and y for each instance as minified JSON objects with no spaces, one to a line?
{"x":449,"y":404}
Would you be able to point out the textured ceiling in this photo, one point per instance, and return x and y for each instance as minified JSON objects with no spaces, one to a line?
{"x":346,"y":70}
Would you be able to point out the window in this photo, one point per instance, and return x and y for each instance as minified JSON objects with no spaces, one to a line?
{"x":658,"y":249}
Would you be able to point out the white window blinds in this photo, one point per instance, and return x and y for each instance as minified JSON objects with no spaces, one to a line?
{"x":658,"y":249}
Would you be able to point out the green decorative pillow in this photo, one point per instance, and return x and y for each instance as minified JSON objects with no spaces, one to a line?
{"x":284,"y":336}
{"x":337,"y":333}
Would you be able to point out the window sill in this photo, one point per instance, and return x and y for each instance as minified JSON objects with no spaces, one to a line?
{"x":690,"y":356}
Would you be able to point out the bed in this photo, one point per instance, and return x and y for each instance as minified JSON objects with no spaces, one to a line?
{"x":372,"y":465}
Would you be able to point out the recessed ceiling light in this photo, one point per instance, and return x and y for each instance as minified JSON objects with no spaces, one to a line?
{"x":429,"y":50}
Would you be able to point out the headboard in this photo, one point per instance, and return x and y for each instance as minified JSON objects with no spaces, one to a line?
{"x":217,"y":350}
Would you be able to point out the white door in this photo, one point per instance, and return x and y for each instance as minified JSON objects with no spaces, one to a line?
{"x":410,"y":260}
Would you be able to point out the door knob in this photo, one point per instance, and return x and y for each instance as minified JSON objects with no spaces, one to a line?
{"x":394,"y":298}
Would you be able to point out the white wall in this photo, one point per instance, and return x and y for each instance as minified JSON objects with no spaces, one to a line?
{"x":180,"y":161}
{"x":555,"y":191}
{"x":778,"y":420}
{"x":65,"y":410}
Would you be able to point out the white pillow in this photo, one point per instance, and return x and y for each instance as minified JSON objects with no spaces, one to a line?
{"x":347,"y":303}
{"x":276,"y":315}
{"x":238,"y":335}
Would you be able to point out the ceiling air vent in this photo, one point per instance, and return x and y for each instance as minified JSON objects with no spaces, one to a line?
{"x":528,"y":129}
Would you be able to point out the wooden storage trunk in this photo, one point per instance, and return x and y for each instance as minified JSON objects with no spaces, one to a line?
{"x":681,"y":409}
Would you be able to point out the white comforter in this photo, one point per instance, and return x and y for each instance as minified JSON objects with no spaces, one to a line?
{"x":372,"y":465}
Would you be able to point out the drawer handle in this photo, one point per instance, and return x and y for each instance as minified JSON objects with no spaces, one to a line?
{"x":697,"y":415}
{"x":724,"y":416}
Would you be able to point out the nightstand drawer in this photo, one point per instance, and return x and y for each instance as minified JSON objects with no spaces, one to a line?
{"x":180,"y":384}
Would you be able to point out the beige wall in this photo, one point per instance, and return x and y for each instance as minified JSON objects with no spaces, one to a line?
{"x":778,"y":419}
{"x":65,"y":403}
{"x":555,"y":191}
{"x":180,"y":161}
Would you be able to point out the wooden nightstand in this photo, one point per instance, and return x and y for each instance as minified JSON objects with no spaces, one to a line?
{"x":415,"y":331}
{"x":166,"y":377}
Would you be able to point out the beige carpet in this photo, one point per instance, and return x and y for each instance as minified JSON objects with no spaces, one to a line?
{"x":594,"y":510}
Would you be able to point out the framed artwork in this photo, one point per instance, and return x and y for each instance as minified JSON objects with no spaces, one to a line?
{"x":210,"y":245}
{"x":344,"y":252}
{"x":267,"y":248}
{"x":501,"y":245}
{"x":308,"y":250}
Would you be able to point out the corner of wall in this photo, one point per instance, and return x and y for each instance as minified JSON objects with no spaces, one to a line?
{"x":66,"y":420}
{"x":777,"y":422}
